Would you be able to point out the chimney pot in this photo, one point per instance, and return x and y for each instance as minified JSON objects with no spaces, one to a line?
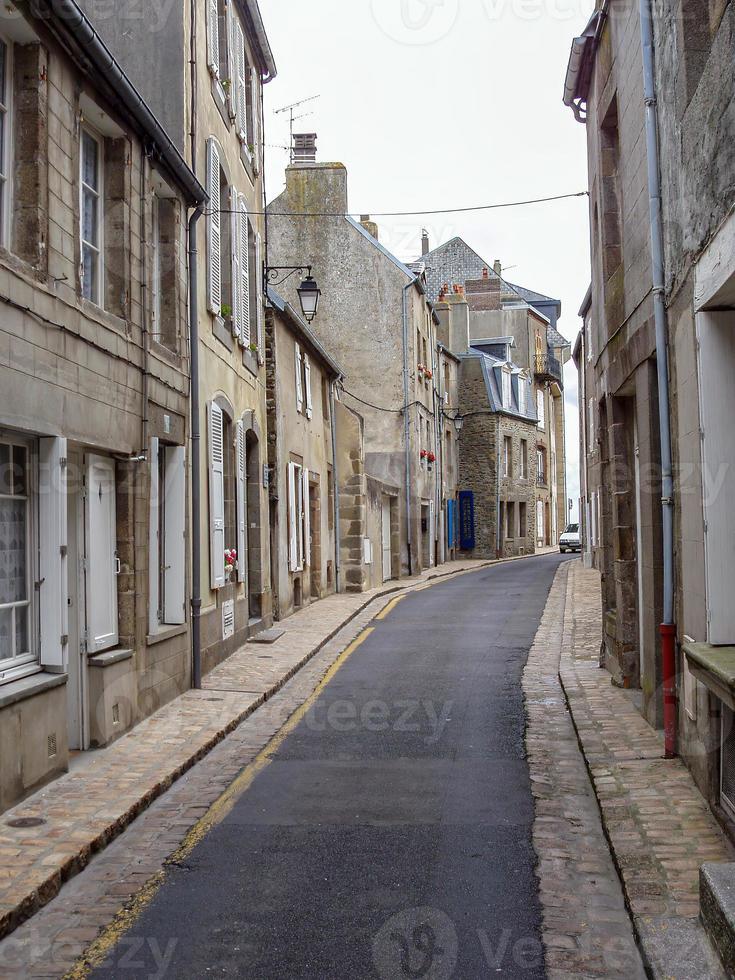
{"x":424,"y":242}
{"x":485,"y":273}
{"x":304,"y":147}
{"x":497,"y":267}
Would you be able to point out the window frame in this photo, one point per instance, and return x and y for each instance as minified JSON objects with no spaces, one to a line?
{"x":156,"y":270}
{"x":30,"y":662}
{"x":540,"y":408}
{"x":507,"y":456}
{"x":523,"y":469}
{"x":98,"y":298}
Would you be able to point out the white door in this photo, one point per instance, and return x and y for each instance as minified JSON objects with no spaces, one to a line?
{"x":387,"y":571}
{"x":78,"y":727}
{"x":102,"y":564}
{"x":540,"y":523}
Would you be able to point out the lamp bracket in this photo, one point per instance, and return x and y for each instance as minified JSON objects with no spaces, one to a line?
{"x":273,"y":272}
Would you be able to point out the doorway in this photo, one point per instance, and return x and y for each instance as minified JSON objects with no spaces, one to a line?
{"x":77,"y":684}
{"x":315,"y":529}
{"x":386,"y":540}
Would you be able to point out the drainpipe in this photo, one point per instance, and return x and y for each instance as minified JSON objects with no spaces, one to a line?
{"x":667,"y":628}
{"x":406,"y":420}
{"x":335,"y":488}
{"x":196,"y":476}
{"x":498,"y":529}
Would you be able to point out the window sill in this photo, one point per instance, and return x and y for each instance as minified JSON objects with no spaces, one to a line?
{"x":221,"y":100}
{"x":12,"y":692}
{"x":250,"y":360}
{"x":109,"y":657}
{"x":166,"y":633}
{"x":220,"y":331}
{"x":714,"y":667}
{"x":247,"y":161}
{"x":103,"y":316}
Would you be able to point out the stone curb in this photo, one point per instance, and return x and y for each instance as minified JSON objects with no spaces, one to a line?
{"x":11,"y":916}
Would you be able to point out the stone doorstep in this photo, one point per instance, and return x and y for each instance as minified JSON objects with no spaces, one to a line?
{"x":717,"y":909}
{"x":42,"y":882}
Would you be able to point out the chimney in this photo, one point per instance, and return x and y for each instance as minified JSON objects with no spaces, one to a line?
{"x":484,"y":293}
{"x":304,"y":147}
{"x":424,"y":242}
{"x":454,"y":319}
{"x":497,"y":267}
{"x":369,"y":225}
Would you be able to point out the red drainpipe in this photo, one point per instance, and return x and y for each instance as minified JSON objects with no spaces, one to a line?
{"x":668,"y":667}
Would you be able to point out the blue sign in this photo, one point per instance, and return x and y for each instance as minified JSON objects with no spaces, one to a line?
{"x":466,"y":520}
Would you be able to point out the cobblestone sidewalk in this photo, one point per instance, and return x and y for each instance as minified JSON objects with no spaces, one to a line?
{"x":587,"y":931}
{"x":658,"y":823}
{"x":84,"y":810}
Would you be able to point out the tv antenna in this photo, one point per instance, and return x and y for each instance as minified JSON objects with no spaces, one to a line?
{"x":292,"y":117}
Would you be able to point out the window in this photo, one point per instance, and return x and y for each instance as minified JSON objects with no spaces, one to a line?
{"x":507,"y":456}
{"x":541,"y":408}
{"x":299,"y":548}
{"x":506,"y":388}
{"x":217,"y":46}
{"x":510,"y":519}
{"x":165,"y":260}
{"x":522,"y":520}
{"x":16,"y":577}
{"x":5,"y":137}
{"x":167,"y":554}
{"x":540,"y":531}
{"x":524,"y":459}
{"x":227,"y":495}
{"x":541,"y":466}
{"x":156,"y":262}
{"x":91,"y":215}
{"x":302,"y":372}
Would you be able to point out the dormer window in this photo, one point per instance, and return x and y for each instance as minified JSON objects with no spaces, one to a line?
{"x":506,"y":392}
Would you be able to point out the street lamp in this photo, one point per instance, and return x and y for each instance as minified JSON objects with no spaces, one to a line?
{"x":309,"y":294}
{"x":308,"y":291}
{"x":458,"y":423}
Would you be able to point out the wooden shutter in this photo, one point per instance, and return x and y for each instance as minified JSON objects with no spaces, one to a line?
{"x":299,"y":386}
{"x":213,"y":37}
{"x":54,"y":591}
{"x":154,"y":543}
{"x":214,"y":230}
{"x":174,"y":547}
{"x":234,"y":216}
{"x":244,"y":277}
{"x":305,"y":517}
{"x":240,"y":82}
{"x":293,"y":551}
{"x":259,"y":313}
{"x":216,"y":497}
{"x":102,"y":561}
{"x":307,"y":385}
{"x":242,"y":511}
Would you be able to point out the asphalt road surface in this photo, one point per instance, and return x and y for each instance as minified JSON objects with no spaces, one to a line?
{"x":390,"y":835}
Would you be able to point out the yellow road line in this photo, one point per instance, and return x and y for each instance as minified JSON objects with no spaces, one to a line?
{"x":126,"y":918}
{"x":390,"y":607}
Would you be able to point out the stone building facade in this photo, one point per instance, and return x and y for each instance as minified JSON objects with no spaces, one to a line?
{"x":94,"y":383}
{"x":301,"y":381}
{"x":694,"y":83}
{"x":621,"y":385}
{"x":203,"y":78}
{"x":375,"y":318}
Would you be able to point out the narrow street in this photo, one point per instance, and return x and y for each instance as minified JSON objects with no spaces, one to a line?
{"x":391,"y":832}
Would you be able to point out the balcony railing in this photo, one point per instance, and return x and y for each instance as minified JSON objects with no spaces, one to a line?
{"x":541,"y":480}
{"x":548,"y":368}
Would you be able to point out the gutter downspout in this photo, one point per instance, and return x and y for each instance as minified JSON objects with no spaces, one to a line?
{"x":406,"y":421}
{"x":498,"y":529}
{"x":667,"y":628}
{"x":335,"y":487}
{"x":196,"y":476}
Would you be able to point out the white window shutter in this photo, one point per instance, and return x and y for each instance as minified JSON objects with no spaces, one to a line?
{"x":234,"y":216}
{"x":216,"y":497}
{"x":259,"y":313}
{"x":174,"y":548}
{"x":53,"y":595}
{"x":102,"y":561}
{"x":240,"y":82}
{"x":293,"y":551}
{"x":242,"y":499}
{"x":307,"y":385}
{"x":299,"y":386}
{"x":213,"y":37}
{"x":214,"y":230}
{"x":306,"y":516}
{"x":154,"y":543}
{"x":244,"y":278}
{"x":255,"y":100}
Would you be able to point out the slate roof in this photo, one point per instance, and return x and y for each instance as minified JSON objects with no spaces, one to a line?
{"x":490,"y":365}
{"x":456,"y":262}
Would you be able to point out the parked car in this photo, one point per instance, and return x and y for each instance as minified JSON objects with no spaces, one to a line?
{"x":569,"y":541}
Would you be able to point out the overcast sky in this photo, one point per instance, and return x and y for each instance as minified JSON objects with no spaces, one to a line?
{"x":447,"y":104}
